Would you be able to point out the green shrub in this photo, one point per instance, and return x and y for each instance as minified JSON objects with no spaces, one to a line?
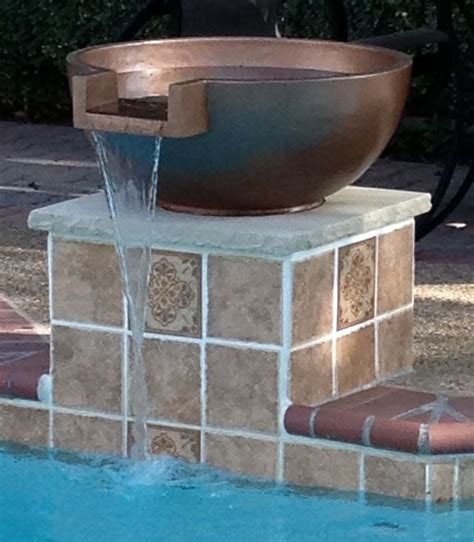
{"x":36,"y":36}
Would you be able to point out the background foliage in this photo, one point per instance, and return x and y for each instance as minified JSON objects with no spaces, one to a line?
{"x":36,"y":35}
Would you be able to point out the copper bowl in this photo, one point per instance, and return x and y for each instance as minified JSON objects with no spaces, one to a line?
{"x":250,"y":125}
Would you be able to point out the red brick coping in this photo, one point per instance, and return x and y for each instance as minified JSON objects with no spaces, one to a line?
{"x":24,"y":354}
{"x":390,"y":417}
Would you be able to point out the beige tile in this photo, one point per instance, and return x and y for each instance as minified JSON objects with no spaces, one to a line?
{"x":442,"y":482}
{"x":174,"y":380}
{"x":395,"y":269}
{"x":395,"y":478}
{"x":87,"y":369}
{"x":466,"y":479}
{"x":311,"y":374}
{"x":396,"y":343}
{"x":242,"y":388}
{"x":321,"y":467}
{"x":87,"y":433}
{"x":86,"y":283}
{"x":24,"y":425}
{"x":355,"y":359}
{"x":313,"y":284}
{"x":356,"y":283}
{"x":181,"y":443}
{"x":243,"y":455}
{"x":174,"y":294}
{"x":245,"y":299}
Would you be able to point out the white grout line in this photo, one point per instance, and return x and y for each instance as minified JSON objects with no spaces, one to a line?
{"x":51,"y":345}
{"x":87,"y":327}
{"x":125,"y":347}
{"x":169,"y":423}
{"x":87,"y":413}
{"x":335,"y":313}
{"x":456,"y":481}
{"x":23,"y":403}
{"x":203,"y":361}
{"x":413,"y":263}
{"x":428,"y":485}
{"x":352,"y":329}
{"x":305,"y":255}
{"x":243,"y":433}
{"x":171,"y":338}
{"x":243,"y":344}
{"x":284,"y":360}
{"x":376,"y":310}
{"x":362,"y":477}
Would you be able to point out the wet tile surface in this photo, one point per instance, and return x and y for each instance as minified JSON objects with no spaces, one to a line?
{"x":86,"y":283}
{"x":174,"y":294}
{"x":245,"y":299}
{"x":356,"y":283}
{"x":174,"y":380}
{"x":313,"y":284}
{"x":87,"y":433}
{"x":442,"y":482}
{"x":245,"y":455}
{"x":321,"y":467}
{"x":466,"y":479}
{"x":387,"y":476}
{"x":311,"y":374}
{"x":395,"y":270}
{"x":87,"y":369}
{"x":242,"y":388}
{"x":24,"y":425}
{"x":355,"y":359}
{"x":179,"y":443}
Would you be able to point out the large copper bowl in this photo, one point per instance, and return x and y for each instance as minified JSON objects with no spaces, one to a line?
{"x":250,"y":125}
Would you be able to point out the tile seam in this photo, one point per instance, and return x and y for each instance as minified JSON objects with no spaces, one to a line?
{"x":376,"y":310}
{"x":302,"y":255}
{"x":352,"y":329}
{"x":51,"y":345}
{"x":125,"y":361}
{"x":456,"y":481}
{"x":87,"y":413}
{"x":244,"y":434}
{"x":284,"y":377}
{"x":335,"y":318}
{"x":203,"y":351}
{"x":428,"y":485}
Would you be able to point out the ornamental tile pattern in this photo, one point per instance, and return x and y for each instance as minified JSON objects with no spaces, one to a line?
{"x":356,"y":283}
{"x":174,"y":294}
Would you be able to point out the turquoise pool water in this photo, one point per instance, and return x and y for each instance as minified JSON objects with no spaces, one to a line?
{"x":66,"y":498}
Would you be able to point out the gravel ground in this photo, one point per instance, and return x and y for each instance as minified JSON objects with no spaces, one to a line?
{"x":23,"y":271}
{"x":444,"y":329}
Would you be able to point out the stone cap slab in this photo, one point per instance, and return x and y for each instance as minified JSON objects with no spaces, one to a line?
{"x":351,"y":211}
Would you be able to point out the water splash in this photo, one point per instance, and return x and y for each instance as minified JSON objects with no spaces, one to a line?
{"x":129,"y":168}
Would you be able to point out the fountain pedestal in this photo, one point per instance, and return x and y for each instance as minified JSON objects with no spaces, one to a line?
{"x":246,"y":317}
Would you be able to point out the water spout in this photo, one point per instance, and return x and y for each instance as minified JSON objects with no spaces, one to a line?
{"x":129,"y":168}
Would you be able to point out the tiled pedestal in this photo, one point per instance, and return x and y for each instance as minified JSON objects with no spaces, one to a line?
{"x":246,"y":316}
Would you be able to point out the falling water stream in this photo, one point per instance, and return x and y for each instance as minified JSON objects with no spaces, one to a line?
{"x":129,"y":169}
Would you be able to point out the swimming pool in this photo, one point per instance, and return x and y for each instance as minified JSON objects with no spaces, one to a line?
{"x":47,"y":497}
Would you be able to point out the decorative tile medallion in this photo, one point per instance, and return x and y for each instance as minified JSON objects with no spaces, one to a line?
{"x":356,"y":283}
{"x":174,"y":294}
{"x":181,"y":443}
